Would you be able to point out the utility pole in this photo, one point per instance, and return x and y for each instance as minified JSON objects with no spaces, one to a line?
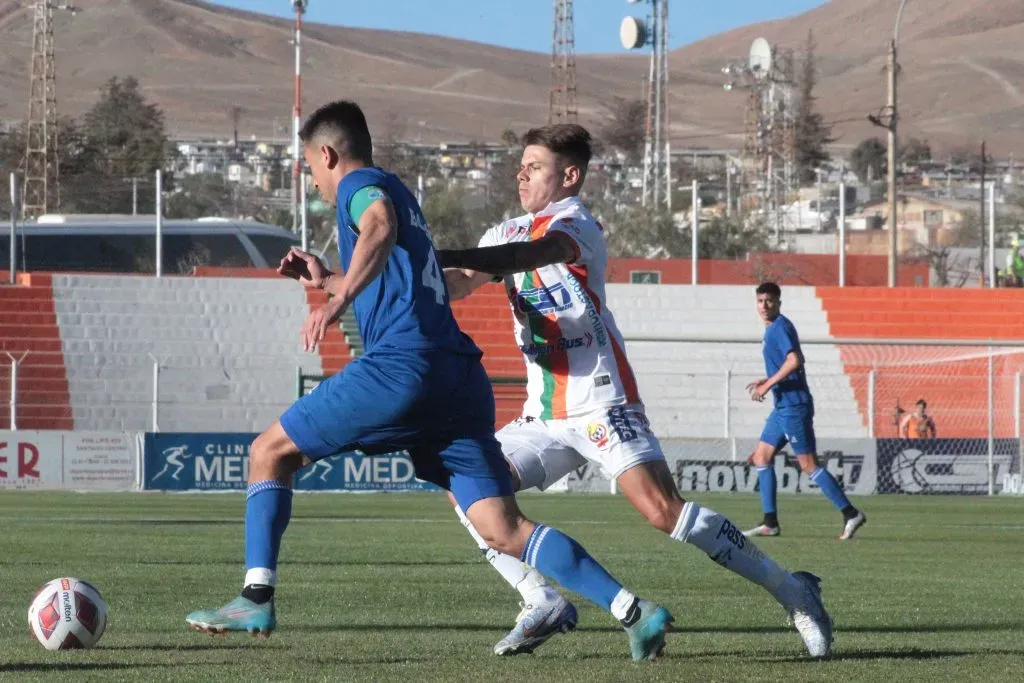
{"x":300,"y":8}
{"x":981,"y":254}
{"x":889,"y":118}
{"x":891,"y":158}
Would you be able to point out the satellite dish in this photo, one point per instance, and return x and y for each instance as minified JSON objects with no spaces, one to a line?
{"x":761,"y":57}
{"x":632,"y":33}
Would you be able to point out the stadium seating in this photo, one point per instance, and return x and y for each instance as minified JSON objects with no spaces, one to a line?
{"x":684,"y":384}
{"x":28,"y":330}
{"x":228,"y":350}
{"x":953,"y":380}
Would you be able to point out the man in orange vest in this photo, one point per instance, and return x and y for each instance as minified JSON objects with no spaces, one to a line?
{"x":918,"y":424}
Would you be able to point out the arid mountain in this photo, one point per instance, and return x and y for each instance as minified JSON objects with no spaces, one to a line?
{"x":963,"y":71}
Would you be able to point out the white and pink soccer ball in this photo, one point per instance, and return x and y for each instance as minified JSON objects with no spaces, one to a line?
{"x":67,"y":614}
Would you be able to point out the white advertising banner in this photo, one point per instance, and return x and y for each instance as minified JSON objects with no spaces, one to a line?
{"x":99,"y":461}
{"x":720,"y":465}
{"x":85,"y":461}
{"x":30,"y":460}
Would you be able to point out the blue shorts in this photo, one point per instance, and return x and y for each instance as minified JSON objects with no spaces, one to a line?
{"x":436,"y":405}
{"x":793,"y":425}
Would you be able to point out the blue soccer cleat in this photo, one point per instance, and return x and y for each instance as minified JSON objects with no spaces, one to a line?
{"x":535,"y":625}
{"x":241,"y":614}
{"x":647,"y":635}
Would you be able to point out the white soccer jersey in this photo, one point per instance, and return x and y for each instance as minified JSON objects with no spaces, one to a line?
{"x":574,"y":353}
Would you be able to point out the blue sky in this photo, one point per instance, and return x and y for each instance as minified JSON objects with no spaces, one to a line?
{"x":526,"y":24}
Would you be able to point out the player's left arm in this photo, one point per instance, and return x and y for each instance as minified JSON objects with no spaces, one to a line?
{"x":517,"y":257}
{"x":378,"y":232}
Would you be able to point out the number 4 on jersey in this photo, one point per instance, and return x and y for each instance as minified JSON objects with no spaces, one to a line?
{"x":431,"y":272}
{"x":432,"y":277}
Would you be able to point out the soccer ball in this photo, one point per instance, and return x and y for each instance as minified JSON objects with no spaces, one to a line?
{"x":67,"y":614}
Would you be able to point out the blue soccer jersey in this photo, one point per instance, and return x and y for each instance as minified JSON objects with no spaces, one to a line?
{"x":780,"y":338}
{"x":407,"y":306}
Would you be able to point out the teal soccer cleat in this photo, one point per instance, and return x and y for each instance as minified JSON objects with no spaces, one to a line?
{"x":241,"y":614}
{"x":647,"y":635}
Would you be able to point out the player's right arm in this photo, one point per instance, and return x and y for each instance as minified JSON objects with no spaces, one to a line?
{"x":464,"y":281}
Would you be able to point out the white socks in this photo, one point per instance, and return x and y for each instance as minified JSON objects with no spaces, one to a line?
{"x":621,"y":604}
{"x":530,"y":583}
{"x":726,"y":545}
{"x":260,"y":576}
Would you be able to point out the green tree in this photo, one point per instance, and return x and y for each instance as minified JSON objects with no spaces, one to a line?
{"x":452,"y":224}
{"x":729,"y":238}
{"x":202,"y":194}
{"x":813,"y":135}
{"x":913,"y":151}
{"x":624,"y":131}
{"x":123,"y":136}
{"x":502,"y":200}
{"x":75,"y":165}
{"x":868,"y":159}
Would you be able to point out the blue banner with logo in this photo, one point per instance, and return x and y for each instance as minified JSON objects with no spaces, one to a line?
{"x":220,"y":462}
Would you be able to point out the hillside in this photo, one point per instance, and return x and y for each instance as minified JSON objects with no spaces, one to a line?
{"x":962,"y":70}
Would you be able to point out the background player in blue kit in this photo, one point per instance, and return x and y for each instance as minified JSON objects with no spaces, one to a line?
{"x":420,"y":387}
{"x":792,"y":419}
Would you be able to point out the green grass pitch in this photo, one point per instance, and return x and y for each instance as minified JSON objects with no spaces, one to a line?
{"x":390,"y":587}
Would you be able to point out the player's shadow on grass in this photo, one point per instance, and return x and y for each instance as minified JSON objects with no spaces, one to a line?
{"x":934,"y":628}
{"x":912,"y":654}
{"x":57,"y":667}
{"x":193,"y":647}
{"x":233,"y":562}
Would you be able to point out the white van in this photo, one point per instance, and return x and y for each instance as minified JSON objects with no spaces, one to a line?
{"x":127,"y":244}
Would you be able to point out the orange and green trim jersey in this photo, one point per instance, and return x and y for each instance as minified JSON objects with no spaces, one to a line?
{"x":575,"y":357}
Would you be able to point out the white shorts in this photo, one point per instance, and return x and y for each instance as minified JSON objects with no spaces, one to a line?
{"x":544,"y":451}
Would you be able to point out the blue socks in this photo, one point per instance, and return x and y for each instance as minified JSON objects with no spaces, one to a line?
{"x":830,"y":488}
{"x":557,"y":556}
{"x":767,"y":485}
{"x":268,"y":507}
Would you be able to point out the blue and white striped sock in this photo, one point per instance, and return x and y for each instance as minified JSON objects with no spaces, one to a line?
{"x":561,"y":558}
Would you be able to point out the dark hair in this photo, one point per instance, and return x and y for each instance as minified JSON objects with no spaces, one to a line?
{"x":769,"y":288}
{"x":342,"y":126}
{"x":921,"y":402}
{"x":569,"y":140}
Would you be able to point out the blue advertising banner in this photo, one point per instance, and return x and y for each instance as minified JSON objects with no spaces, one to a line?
{"x":218,"y":462}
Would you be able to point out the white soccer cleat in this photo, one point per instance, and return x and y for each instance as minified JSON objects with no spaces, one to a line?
{"x":811,"y":618}
{"x":535,"y":624}
{"x":851,"y":526}
{"x":762,"y":530}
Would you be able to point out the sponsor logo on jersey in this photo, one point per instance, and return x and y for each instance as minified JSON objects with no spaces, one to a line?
{"x":568,"y":223}
{"x":561,"y":344}
{"x":542,"y":301}
{"x":511,"y":228}
{"x":375,"y":193}
{"x":598,"y":434}
{"x":592,"y":314}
